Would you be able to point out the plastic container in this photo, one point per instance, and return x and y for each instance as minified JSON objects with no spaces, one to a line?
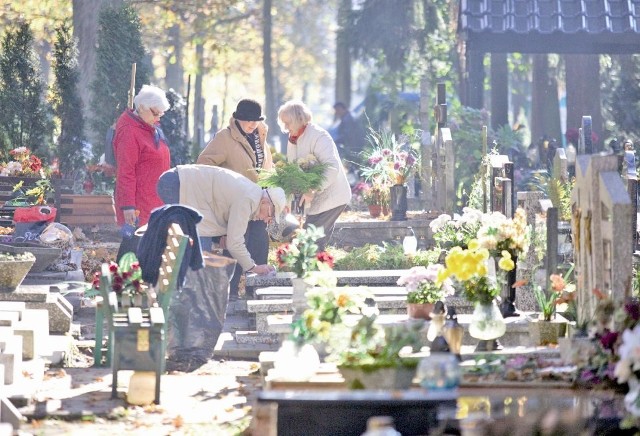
{"x":142,"y":388}
{"x":410,"y":242}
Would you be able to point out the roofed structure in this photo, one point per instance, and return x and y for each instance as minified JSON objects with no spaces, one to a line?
{"x":551,"y":26}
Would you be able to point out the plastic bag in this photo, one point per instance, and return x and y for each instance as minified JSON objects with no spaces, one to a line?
{"x":197,"y":313}
{"x":57,"y":235}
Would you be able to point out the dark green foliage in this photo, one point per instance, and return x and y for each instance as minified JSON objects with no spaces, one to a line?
{"x":66,"y":101}
{"x":466,"y":130}
{"x":25,"y":118}
{"x":119,"y":46}
{"x":172,"y":124}
{"x":625,"y":98}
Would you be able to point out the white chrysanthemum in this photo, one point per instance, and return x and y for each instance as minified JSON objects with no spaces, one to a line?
{"x":437,"y":224}
{"x":471,"y":216}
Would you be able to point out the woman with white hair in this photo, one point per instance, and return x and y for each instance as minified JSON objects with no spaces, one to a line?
{"x":142,"y":155}
{"x":324,"y":205}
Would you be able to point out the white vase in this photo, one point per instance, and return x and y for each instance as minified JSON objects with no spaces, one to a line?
{"x":299,"y":296}
{"x":487,"y":322}
{"x":296,"y":362}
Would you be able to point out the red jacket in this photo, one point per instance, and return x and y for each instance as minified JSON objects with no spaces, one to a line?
{"x":140,"y":160}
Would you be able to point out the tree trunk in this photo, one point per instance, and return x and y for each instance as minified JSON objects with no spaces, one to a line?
{"x":198,"y":100}
{"x":85,"y":24}
{"x":474,"y":87}
{"x":545,"y":109}
{"x":583,"y":94}
{"x":271,"y":103}
{"x":174,"y":70}
{"x":343,"y":56}
{"x":499,"y":90}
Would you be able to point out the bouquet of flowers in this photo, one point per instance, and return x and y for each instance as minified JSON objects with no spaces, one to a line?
{"x":23,"y":164}
{"x":296,"y":178}
{"x":126,"y":277}
{"x":423,"y":285}
{"x":469,"y":267}
{"x":301,"y":256}
{"x":36,"y":195}
{"x":101,"y":177}
{"x":457,"y":231}
{"x":391,"y":160}
{"x":327,"y":308}
{"x":498,"y":233}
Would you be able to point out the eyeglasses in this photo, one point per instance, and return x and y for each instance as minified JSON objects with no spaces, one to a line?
{"x":271,"y":214}
{"x":156,"y":113}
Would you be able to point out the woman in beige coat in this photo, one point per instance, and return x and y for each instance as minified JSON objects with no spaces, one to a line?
{"x":241,"y":147}
{"x":306,"y":138}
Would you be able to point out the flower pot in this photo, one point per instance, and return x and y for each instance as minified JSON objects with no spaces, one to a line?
{"x":398,"y":202}
{"x":546,"y":332}
{"x":400,"y":377}
{"x":375,"y":210}
{"x":419,"y":310}
{"x":487,"y":322}
{"x":45,"y":255}
{"x":12,"y":273}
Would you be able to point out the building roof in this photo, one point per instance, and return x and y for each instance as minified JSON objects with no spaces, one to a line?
{"x":551,"y":26}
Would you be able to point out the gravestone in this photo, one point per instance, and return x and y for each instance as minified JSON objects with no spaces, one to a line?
{"x":585,"y":144}
{"x":530,"y":202}
{"x":600,"y":228}
{"x":496,"y":170}
{"x":443,"y":189}
{"x":630,"y":176}
{"x":560,"y":166}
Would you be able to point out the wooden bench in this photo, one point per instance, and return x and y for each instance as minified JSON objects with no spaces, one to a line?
{"x":137,"y":337}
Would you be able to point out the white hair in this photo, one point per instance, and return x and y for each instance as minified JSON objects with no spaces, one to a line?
{"x":296,"y":112}
{"x":151,"y":97}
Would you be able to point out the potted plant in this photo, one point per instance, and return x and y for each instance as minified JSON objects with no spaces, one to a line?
{"x":370,"y":356}
{"x":424,"y":289}
{"x":328,"y":308}
{"x":14,"y":267}
{"x":376,"y":198}
{"x":390,"y":161}
{"x":301,"y":257}
{"x":546,"y":330}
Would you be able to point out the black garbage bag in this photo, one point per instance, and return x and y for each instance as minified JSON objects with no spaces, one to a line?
{"x":197,"y":314}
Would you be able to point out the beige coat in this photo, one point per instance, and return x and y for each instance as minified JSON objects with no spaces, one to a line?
{"x":227,"y":202}
{"x":335,"y":190}
{"x":230,"y":149}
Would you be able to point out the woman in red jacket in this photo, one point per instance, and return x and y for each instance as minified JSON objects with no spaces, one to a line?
{"x":142,"y":155}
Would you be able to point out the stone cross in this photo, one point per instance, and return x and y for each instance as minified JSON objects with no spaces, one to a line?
{"x":600,"y":229}
{"x":630,"y":176}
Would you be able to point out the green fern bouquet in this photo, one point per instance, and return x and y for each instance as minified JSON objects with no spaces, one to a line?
{"x":295,"y":177}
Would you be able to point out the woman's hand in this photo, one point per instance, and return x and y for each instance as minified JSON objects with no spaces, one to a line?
{"x":306,"y":198}
{"x":262,"y":270}
{"x":129,"y":216}
{"x":222,"y":243}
